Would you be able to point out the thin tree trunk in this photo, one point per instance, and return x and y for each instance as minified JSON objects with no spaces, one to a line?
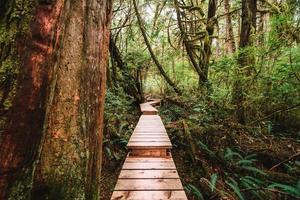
{"x":229,"y":30}
{"x":159,"y":66}
{"x":201,"y":74}
{"x":212,"y":8}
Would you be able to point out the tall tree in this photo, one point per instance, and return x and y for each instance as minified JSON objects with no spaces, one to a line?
{"x":197,"y":34}
{"x":154,"y":58}
{"x":230,"y":42}
{"x":57,"y":112}
{"x":246,"y":59}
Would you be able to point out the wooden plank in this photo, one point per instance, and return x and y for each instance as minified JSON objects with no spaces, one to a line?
{"x":127,"y":174}
{"x":148,"y":109}
{"x":149,"y":130}
{"x":138,"y":159}
{"x":149,"y":184}
{"x":144,"y":136}
{"x":148,"y":195}
{"x":150,"y":165}
{"x":149,"y":134}
{"x":153,"y":131}
{"x":150,"y":125}
{"x":161,"y":135}
{"x":146,"y":144}
{"x":149,"y":139}
{"x":149,"y":152}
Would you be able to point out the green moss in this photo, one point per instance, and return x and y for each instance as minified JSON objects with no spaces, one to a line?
{"x":14,"y":25}
{"x":22,"y":188}
{"x":63,"y":185}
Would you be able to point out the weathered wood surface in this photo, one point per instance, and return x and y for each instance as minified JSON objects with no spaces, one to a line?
{"x":143,"y":174}
{"x":148,"y":109}
{"x":149,"y":171}
{"x":148,"y":184}
{"x":149,"y":139}
{"x":149,"y":152}
{"x":143,"y":144}
{"x":148,"y":195}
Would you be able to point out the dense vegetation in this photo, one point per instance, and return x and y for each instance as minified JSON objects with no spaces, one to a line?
{"x":228,"y":73}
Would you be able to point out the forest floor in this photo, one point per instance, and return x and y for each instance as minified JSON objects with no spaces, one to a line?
{"x":109,"y":179}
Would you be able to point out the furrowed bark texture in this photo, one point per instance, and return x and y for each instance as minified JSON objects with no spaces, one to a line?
{"x":57,"y":113}
{"x":22,"y":134}
{"x":71,"y":155}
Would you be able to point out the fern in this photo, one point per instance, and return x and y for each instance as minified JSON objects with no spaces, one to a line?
{"x":213,"y":181}
{"x":205,"y":147}
{"x":234,"y":186}
{"x":254,"y":169}
{"x":244,"y":162}
{"x":252,"y":181}
{"x":286,"y":188}
{"x":229,"y":155}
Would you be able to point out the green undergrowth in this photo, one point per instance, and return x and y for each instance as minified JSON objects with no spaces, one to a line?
{"x":121,"y":115}
{"x":218,"y":158}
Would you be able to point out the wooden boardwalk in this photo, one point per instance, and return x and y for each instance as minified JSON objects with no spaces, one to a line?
{"x":149,"y":171}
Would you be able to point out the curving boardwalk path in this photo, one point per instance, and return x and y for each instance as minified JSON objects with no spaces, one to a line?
{"x":149,"y":171}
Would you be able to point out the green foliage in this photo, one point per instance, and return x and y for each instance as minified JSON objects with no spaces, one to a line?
{"x":234,"y":185}
{"x":120,"y":114}
{"x":213,"y":181}
{"x":290,"y":189}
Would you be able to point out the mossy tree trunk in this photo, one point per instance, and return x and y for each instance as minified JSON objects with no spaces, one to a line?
{"x":53,"y":133}
{"x":230,"y":42}
{"x":246,"y":59}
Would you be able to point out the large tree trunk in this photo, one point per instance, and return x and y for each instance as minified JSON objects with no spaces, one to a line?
{"x":245,"y":58}
{"x":57,"y":113}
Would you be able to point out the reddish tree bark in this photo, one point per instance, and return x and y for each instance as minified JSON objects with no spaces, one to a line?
{"x":57,"y":112}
